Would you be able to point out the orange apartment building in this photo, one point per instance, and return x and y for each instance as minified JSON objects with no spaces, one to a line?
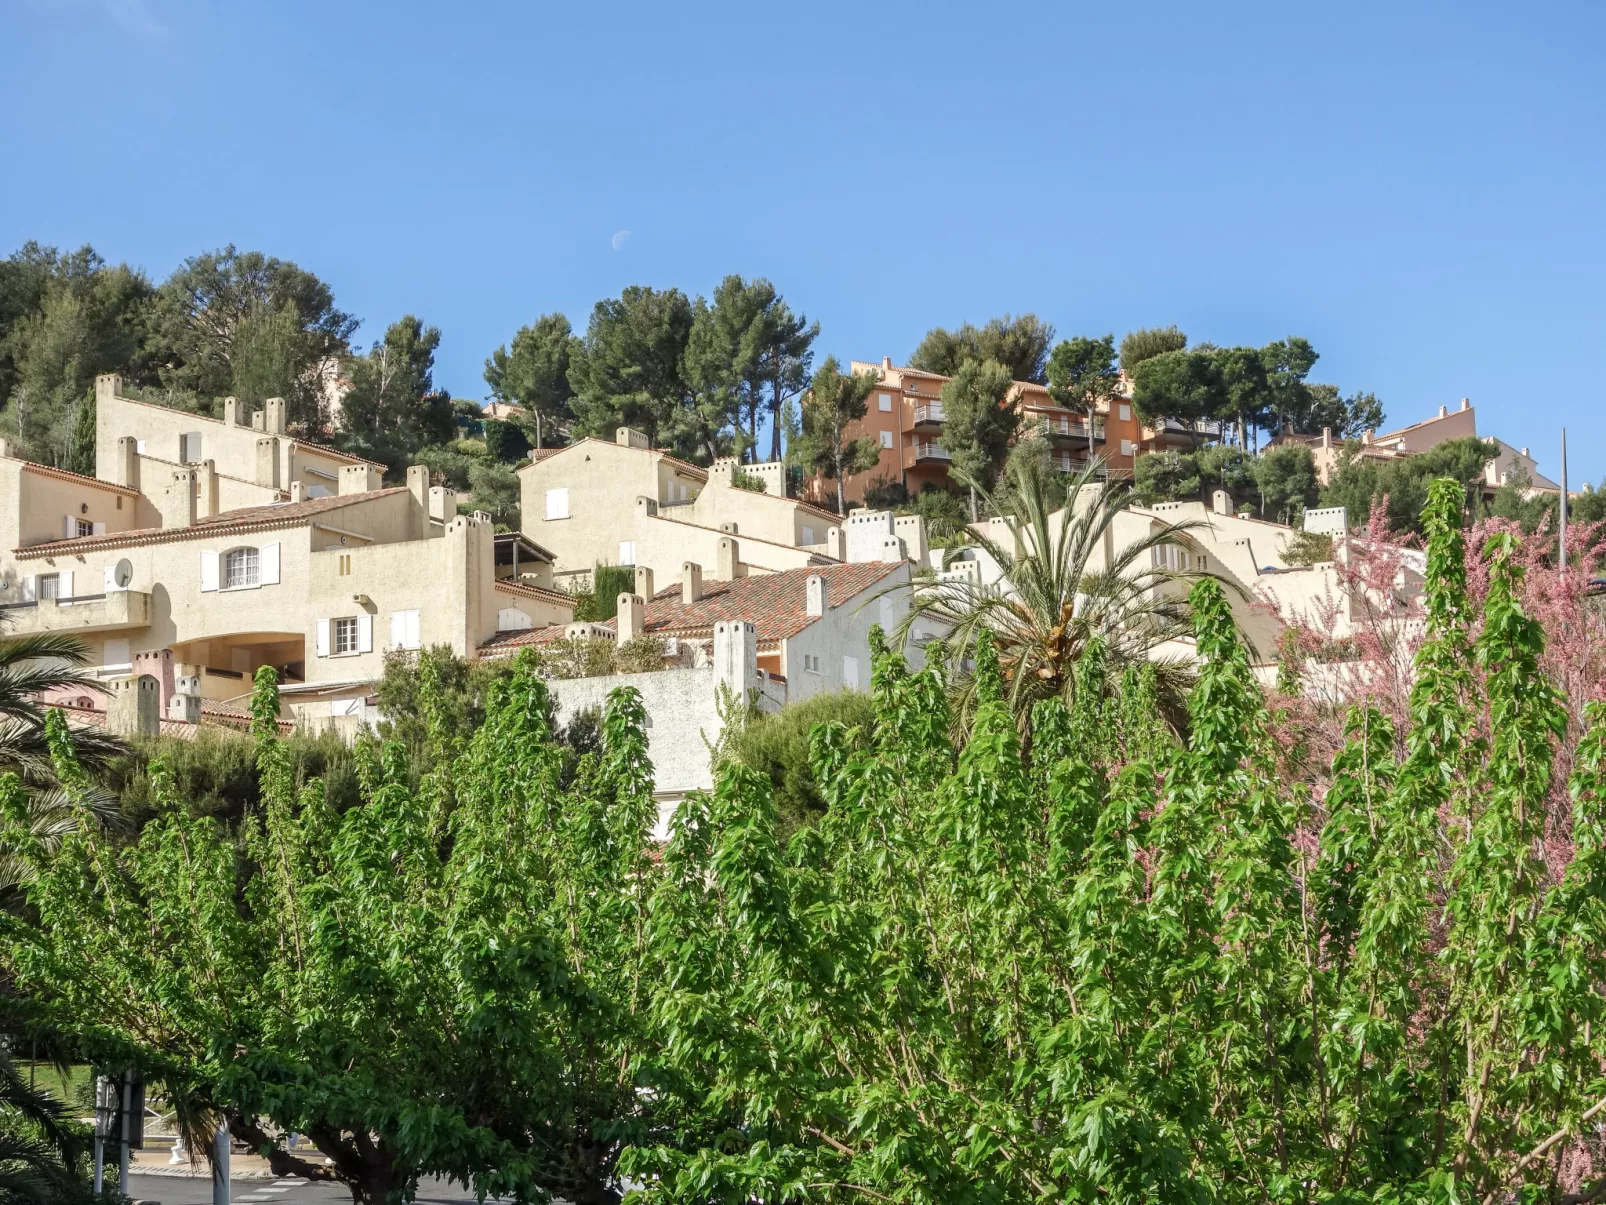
{"x":905,"y":415}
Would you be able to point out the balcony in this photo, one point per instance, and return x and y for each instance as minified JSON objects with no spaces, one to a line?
{"x":82,"y":613}
{"x":1062,"y":429}
{"x":929,"y":414}
{"x":930,"y":450}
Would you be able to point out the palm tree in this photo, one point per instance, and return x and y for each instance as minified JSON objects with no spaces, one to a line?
{"x":41,"y":1150}
{"x":30,"y":665}
{"x":1065,"y":588}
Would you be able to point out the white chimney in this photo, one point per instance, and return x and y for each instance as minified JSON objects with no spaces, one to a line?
{"x":691,"y":583}
{"x":632,"y":618}
{"x":817,"y":595}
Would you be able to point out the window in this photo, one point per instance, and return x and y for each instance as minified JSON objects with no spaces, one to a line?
{"x":1169,"y":556}
{"x":886,"y":439}
{"x":345,"y":564}
{"x":190,"y":447}
{"x":83,"y":527}
{"x":1126,"y":412}
{"x":344,"y":632}
{"x":241,"y":567}
{"x":850,"y":672}
{"x":808,"y":534}
{"x":1126,"y":447}
{"x":886,"y":402}
{"x":49,"y":586}
{"x":627,"y":552}
{"x":557,"y":503}
{"x":811,"y":663}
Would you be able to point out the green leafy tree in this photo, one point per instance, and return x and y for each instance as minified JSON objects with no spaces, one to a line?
{"x":535,"y":373}
{"x":1019,"y":344}
{"x":505,"y":442}
{"x":393,"y":408}
{"x":448,"y":979}
{"x":627,"y":370}
{"x":1230,"y":468}
{"x":42,"y":1148}
{"x":494,"y":488}
{"x":1166,"y":476}
{"x":1347,"y":418}
{"x":86,"y":321}
{"x":979,"y":420}
{"x":1181,"y":385}
{"x":1082,"y":375}
{"x":1148,"y":342}
{"x":1287,"y":362}
{"x":1286,"y":478}
{"x":1404,"y":481}
{"x":777,"y":745}
{"x":1246,"y":395}
{"x":833,"y":404}
{"x":200,"y":310}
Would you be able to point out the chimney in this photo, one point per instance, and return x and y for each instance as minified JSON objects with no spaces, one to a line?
{"x":231,"y":412}
{"x":886,"y":363}
{"x":206,"y":474}
{"x":418,"y":486}
{"x":644,"y":581}
{"x":274,"y":410}
{"x":268,"y":462}
{"x":730,"y":560}
{"x":108,"y":385}
{"x":1466,"y":403}
{"x":296,"y":492}
{"x":126,"y":471}
{"x":1444,"y":411}
{"x":1221,"y":502}
{"x":358,"y":479}
{"x":691,"y":583}
{"x":817,"y":593}
{"x":1327,"y":437}
{"x":257,"y":421}
{"x":1366,"y":436}
{"x":134,"y":708}
{"x":629,"y":437}
{"x":1525,"y":453}
{"x":833,"y":544}
{"x":178,"y":499}
{"x":632,"y":617}
{"x":728,"y":527}
{"x":442,"y":504}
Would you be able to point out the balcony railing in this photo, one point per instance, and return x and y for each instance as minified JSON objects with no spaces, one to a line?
{"x":929,"y":414}
{"x":931,"y":450}
{"x":81,"y":613}
{"x":1071,"y":428}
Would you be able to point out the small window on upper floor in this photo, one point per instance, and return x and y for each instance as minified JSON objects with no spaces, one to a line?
{"x":886,"y":439}
{"x":344,"y":633}
{"x":886,"y":402}
{"x":241,"y":567}
{"x":557,"y":503}
{"x":49,"y":586}
{"x":1126,"y":412}
{"x":83,"y":527}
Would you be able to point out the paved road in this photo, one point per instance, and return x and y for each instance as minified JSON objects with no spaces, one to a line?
{"x":197,"y":1190}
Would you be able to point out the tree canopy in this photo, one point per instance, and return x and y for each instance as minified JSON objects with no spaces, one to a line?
{"x":1020,"y":344}
{"x":979,"y":420}
{"x":393,"y":407}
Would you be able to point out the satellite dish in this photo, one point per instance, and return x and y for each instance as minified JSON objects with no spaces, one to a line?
{"x":124,"y":573}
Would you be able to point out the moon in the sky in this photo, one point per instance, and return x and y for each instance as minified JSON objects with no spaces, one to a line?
{"x":619,"y":237}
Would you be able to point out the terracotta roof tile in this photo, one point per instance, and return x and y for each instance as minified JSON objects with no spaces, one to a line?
{"x":45,"y":470}
{"x":282,"y":514}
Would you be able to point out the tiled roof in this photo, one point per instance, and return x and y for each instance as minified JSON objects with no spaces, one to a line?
{"x":774,"y":603}
{"x":207,"y":418}
{"x":282,"y":514}
{"x":695,"y":470}
{"x":45,"y":470}
{"x":524,"y":589}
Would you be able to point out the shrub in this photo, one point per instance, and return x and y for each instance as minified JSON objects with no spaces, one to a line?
{"x":744,"y":480}
{"x":600,"y":600}
{"x":642,"y":655}
{"x":777,"y":745}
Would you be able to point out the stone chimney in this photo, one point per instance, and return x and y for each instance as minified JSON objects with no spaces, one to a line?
{"x":442,"y":503}
{"x":418,"y":486}
{"x":126,"y":470}
{"x":632,"y":617}
{"x":359,"y":479}
{"x":206,"y":475}
{"x":108,"y":385}
{"x":646,"y":507}
{"x":1327,"y":437}
{"x":1221,"y":502}
{"x":629,"y":437}
{"x":722,"y":472}
{"x":258,"y":422}
{"x":158,"y":664}
{"x":1525,"y":453}
{"x":231,"y":412}
{"x":886,"y":363}
{"x":691,"y":583}
{"x":1466,"y":403}
{"x":834,"y":544}
{"x":728,"y":527}
{"x":1366,"y":436}
{"x":1444,"y":412}
{"x":817,"y":595}
{"x":730,"y":560}
{"x":644,"y":581}
{"x":736,"y":656}
{"x":268,"y":462}
{"x":184,"y":705}
{"x":177,"y":502}
{"x":273,"y":410}
{"x":134,"y":708}
{"x":297,"y":492}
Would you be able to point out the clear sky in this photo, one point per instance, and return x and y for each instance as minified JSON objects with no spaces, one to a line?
{"x":1417,"y":188}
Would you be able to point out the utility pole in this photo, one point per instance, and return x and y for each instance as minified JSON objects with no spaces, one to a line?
{"x":1563,"y":561}
{"x":220,"y":1164}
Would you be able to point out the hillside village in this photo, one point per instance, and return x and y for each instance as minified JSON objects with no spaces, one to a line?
{"x":203,"y":549}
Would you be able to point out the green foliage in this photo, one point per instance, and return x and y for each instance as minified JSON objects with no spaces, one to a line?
{"x":393,"y":409}
{"x":776,"y":744}
{"x":1082,"y":375}
{"x":626,"y":371}
{"x":1166,"y":476}
{"x":601,"y":600}
{"x":1302,"y":547}
{"x":747,"y":481}
{"x":535,"y":373}
{"x":495,"y":489}
{"x":979,"y":422}
{"x":1346,"y":417}
{"x":1404,"y":481}
{"x":640,"y":655}
{"x":886,"y":493}
{"x":1147,"y":342}
{"x":1184,"y":385}
{"x":446,"y":979}
{"x":944,"y":513}
{"x":43,"y":1148}
{"x":1286,"y":478}
{"x":433,"y":698}
{"x":505,"y":442}
{"x":1019,"y":344}
{"x":215,"y":773}
{"x":835,"y":401}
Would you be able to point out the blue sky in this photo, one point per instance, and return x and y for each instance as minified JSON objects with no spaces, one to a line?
{"x":1417,"y":188}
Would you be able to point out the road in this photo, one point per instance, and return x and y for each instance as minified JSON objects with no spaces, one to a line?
{"x":197,"y":1190}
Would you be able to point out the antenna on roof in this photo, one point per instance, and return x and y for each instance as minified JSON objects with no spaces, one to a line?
{"x":1563,"y":525}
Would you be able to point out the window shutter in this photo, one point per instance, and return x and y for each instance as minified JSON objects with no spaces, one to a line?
{"x":68,"y":528}
{"x":323,"y":638}
{"x":850,"y":672}
{"x":98,"y":529}
{"x":65,"y":577}
{"x":365,"y":633}
{"x":412,"y":630}
{"x":208,"y":569}
{"x":398,"y":629}
{"x":557,"y":503}
{"x":268,"y":565}
{"x":30,"y":589}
